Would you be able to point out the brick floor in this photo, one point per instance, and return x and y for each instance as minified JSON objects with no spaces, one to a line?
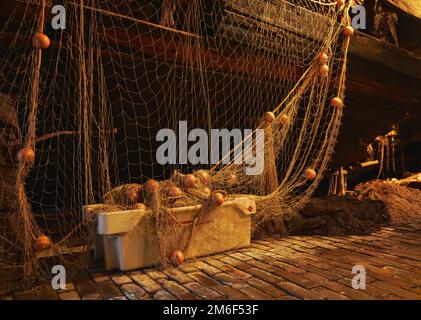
{"x":295,"y":267}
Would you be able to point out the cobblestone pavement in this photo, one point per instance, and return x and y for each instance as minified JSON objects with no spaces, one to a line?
{"x":294,"y":267}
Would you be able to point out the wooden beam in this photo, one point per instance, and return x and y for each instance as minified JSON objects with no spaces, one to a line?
{"x":385,"y":54}
{"x":411,"y":7}
{"x":193,"y":53}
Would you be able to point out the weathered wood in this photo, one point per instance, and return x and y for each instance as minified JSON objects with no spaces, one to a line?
{"x":412,"y":7}
{"x":385,"y":54}
{"x":295,"y":19}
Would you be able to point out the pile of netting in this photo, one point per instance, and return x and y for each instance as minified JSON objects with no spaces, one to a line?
{"x":402,"y":203}
{"x":84,"y":105}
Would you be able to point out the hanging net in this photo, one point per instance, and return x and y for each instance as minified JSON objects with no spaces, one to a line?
{"x":79,"y":119}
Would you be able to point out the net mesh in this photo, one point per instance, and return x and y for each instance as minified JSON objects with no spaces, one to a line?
{"x":91,"y":105}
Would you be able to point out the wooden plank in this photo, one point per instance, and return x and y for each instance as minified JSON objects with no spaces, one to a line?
{"x":385,"y":54}
{"x":284,"y":15}
{"x":412,"y":7}
{"x":247,"y":33}
{"x":202,"y":57}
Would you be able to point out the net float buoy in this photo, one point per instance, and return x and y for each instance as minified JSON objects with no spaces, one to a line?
{"x":206,"y":190}
{"x":232,"y":179}
{"x":324,"y":70}
{"x":189,"y":181}
{"x":339,"y":3}
{"x":174,"y":192}
{"x":284,"y":118}
{"x":337,"y":103}
{"x":323,"y":58}
{"x":42,"y":243}
{"x":132,"y":195}
{"x":41,"y":41}
{"x":152,"y":186}
{"x":203,"y":176}
{"x":217,"y":199}
{"x":177,"y":258}
{"x":348,"y":31}
{"x":139,"y":206}
{"x":26,"y":154}
{"x":310,"y":174}
{"x":269,"y":117}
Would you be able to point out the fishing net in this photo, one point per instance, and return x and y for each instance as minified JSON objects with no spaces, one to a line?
{"x":91,"y":105}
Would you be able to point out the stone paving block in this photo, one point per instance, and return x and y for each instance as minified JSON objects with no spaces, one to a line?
{"x":412,"y":277}
{"x":155,"y":274}
{"x":229,"y":280}
{"x":261,"y":274}
{"x":229,"y":269}
{"x":146,"y":282}
{"x":187,"y":268}
{"x":260,"y":246}
{"x":163,"y":295}
{"x":69,"y":295}
{"x":298,"y":291}
{"x":270,"y":242}
{"x":238,"y":274}
{"x":386,"y":253}
{"x":133,"y":292}
{"x":206,"y":268}
{"x":320,"y":243}
{"x":201,"y":291}
{"x":94,"y":296}
{"x":396,"y":290}
{"x":231,"y":293}
{"x":176,"y":289}
{"x":300,"y":249}
{"x":387,"y":276}
{"x":108,"y":289}
{"x":296,"y":241}
{"x":255,"y":254}
{"x":178,"y":275}
{"x":344,"y":290}
{"x":202,"y":278}
{"x":264,"y":266}
{"x":297,"y":279}
{"x":266,"y":288}
{"x":312,"y":269}
{"x":380,"y":259}
{"x":233,"y":262}
{"x":255,"y":294}
{"x":219,"y":264}
{"x":120,"y":278}
{"x":86,"y":287}
{"x":285,"y":266}
{"x":240,"y":256}
{"x":326,"y":293}
{"x":99,"y":277}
